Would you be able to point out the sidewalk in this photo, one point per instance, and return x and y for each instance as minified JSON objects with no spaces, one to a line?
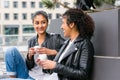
{"x":2,"y":65}
{"x":2,"y":70}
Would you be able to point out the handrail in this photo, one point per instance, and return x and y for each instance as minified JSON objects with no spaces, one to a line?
{"x":8,"y":40}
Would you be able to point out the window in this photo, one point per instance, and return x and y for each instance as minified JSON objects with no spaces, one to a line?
{"x":6,"y":4}
{"x":0,"y":42}
{"x":66,"y":3}
{"x":57,"y":5}
{"x":24,"y":16}
{"x":32,"y":4}
{"x":11,"y":40}
{"x":11,"y":29}
{"x":0,"y":29}
{"x":15,"y":4}
{"x":15,"y":16}
{"x":24,"y":4}
{"x":58,"y":15}
{"x":28,"y":29}
{"x":25,"y":39}
{"x":32,"y":15}
{"x":7,"y":16}
{"x":50,"y":16}
{"x":40,"y":5}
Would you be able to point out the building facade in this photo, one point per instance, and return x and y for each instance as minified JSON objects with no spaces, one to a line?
{"x":15,"y":19}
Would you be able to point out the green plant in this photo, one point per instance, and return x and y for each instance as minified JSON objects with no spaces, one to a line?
{"x":100,"y":2}
{"x":48,"y":4}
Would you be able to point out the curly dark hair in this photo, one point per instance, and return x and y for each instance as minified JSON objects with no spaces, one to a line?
{"x":83,"y":21}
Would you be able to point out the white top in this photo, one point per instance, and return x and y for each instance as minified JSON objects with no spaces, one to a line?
{"x":36,"y":72}
{"x":66,"y":49}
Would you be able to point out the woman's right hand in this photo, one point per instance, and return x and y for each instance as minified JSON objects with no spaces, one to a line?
{"x":31,"y":52}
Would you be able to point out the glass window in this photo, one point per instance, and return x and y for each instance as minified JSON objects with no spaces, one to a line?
{"x":0,"y":29}
{"x":57,"y":5}
{"x":11,"y":29}
{"x":11,"y":40}
{"x":15,"y":16}
{"x":28,"y":29}
{"x":58,"y":15}
{"x":0,"y":42}
{"x":40,"y":5}
{"x":6,"y":4}
{"x":24,"y":16}
{"x":7,"y":16}
{"x":26,"y":38}
{"x":66,"y":3}
{"x":15,"y":4}
{"x":24,"y":4}
{"x":32,"y":15}
{"x":50,"y":16}
{"x":32,"y":4}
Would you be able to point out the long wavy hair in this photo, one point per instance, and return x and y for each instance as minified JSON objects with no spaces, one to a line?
{"x":84,"y":23}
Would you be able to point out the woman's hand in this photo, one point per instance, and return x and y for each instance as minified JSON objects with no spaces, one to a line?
{"x":31,"y":52}
{"x":47,"y":51}
{"x":46,"y":64}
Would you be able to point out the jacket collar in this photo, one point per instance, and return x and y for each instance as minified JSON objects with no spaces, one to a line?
{"x":46,"y":38}
{"x":78,"y":39}
{"x":74,"y":47}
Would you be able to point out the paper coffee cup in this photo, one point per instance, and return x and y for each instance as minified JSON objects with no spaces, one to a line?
{"x":42,"y":56}
{"x":35,"y":47}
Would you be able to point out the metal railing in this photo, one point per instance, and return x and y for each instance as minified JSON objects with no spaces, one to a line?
{"x":11,"y":40}
{"x":19,"y":42}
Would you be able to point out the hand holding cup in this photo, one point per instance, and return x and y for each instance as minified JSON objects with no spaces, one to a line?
{"x":40,"y":55}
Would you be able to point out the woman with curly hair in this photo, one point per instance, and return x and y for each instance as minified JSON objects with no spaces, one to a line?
{"x":74,"y":59}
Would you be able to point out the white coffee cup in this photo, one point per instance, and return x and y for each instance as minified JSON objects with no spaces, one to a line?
{"x":42,"y":56}
{"x":35,"y":47}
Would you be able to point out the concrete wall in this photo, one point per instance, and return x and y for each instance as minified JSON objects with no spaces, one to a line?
{"x":107,"y":45}
{"x":106,"y":42}
{"x":106,"y":33}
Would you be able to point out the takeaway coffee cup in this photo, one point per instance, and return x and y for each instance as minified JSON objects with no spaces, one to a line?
{"x":42,"y":56}
{"x":38,"y":55}
{"x":36,"y":47}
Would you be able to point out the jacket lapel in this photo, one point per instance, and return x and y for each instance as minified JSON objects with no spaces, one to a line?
{"x":71,"y":50}
{"x":74,"y":47}
{"x":61,"y":50}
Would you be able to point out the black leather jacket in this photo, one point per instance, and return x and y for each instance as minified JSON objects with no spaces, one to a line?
{"x":77,"y":61}
{"x":52,"y":41}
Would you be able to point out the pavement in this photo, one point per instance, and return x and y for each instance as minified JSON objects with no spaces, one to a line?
{"x":2,"y":70}
{"x":2,"y":64}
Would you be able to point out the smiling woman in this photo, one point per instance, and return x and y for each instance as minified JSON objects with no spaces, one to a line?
{"x":50,"y":44}
{"x":74,"y":60}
